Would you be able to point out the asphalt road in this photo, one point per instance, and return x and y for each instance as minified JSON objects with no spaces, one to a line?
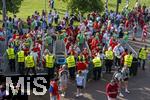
{"x":139,"y":87}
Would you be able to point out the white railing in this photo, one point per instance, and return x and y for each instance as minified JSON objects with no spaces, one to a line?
{"x":133,"y":50}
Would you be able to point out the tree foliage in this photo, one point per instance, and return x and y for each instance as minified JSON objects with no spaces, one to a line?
{"x":12,"y":6}
{"x":85,"y":5}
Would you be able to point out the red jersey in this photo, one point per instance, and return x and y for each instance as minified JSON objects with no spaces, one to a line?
{"x":2,"y":38}
{"x":69,"y":31}
{"x":26,"y":50}
{"x":94,"y":43}
{"x":68,"y":45}
{"x":86,"y":54}
{"x":122,"y":57}
{"x":113,"y":43}
{"x":112,"y":88}
{"x":81,"y":65}
{"x":127,"y":24}
{"x":55,"y":88}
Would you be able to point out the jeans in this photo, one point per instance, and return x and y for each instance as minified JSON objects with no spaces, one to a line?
{"x":85,"y":72}
{"x":53,"y":98}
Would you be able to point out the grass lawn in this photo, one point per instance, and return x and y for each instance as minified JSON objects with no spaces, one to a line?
{"x":29,"y":6}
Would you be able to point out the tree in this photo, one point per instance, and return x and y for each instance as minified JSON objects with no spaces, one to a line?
{"x":85,"y":5}
{"x":12,"y":6}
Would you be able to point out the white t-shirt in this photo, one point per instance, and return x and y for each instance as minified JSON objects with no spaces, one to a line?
{"x":118,"y":76}
{"x":79,"y":80}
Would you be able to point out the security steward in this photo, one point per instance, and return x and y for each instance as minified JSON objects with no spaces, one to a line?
{"x":128,"y":62}
{"x":11,"y":57}
{"x":71,"y":63}
{"x":50,"y":60}
{"x":109,"y":59}
{"x":30,"y":64}
{"x":143,"y":56}
{"x":97,"y":67}
{"x":21,"y":58}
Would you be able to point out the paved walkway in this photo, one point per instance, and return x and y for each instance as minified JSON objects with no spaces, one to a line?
{"x":139,"y":87}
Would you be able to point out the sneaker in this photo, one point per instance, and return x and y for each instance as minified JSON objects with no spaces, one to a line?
{"x":121,"y":95}
{"x":62,"y":95}
{"x":80,"y":94}
{"x":127,"y":91}
{"x":77,"y":95}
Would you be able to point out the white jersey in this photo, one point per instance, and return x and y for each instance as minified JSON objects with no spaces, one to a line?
{"x":79,"y":80}
{"x":118,"y":76}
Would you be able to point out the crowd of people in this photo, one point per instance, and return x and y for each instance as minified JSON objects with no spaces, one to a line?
{"x":95,"y":45}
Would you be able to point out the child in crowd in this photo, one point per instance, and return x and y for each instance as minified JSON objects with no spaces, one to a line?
{"x":79,"y":83}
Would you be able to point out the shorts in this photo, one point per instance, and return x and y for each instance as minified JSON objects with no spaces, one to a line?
{"x":79,"y":87}
{"x":126,"y":79}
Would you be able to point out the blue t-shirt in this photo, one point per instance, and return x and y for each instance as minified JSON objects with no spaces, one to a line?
{"x":51,"y":89}
{"x":1,"y":34}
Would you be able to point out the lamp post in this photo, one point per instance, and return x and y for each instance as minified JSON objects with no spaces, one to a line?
{"x":117,"y":7}
{"x":45,"y":5}
{"x":106,"y":5}
{"x":118,"y":2}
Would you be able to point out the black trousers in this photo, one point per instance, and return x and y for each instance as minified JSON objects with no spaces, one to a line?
{"x":97,"y":73}
{"x":134,"y":70}
{"x":135,"y":65}
{"x":50,"y":72}
{"x":21,"y":67}
{"x":117,"y":61}
{"x":131,"y":70}
{"x":12,"y":65}
{"x":108,"y":65}
{"x":32,"y":69}
{"x":72,"y":72}
{"x":142,"y":61}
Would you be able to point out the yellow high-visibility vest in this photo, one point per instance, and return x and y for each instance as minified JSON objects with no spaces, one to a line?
{"x":49,"y":61}
{"x":71,"y":61}
{"x":11,"y":53}
{"x":143,"y":54}
{"x":128,"y":60}
{"x":21,"y":56}
{"x":97,"y":62}
{"x":109,"y":55}
{"x":29,"y":61}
